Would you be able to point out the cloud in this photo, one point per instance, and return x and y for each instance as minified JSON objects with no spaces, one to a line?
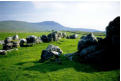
{"x":84,"y":14}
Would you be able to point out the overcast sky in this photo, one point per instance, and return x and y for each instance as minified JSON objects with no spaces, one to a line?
{"x":83,"y":14}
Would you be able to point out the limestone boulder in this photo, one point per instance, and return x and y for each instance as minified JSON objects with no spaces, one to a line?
{"x":86,"y":41}
{"x":51,"y":52}
{"x":44,"y":38}
{"x":16,"y":37}
{"x":23,"y":42}
{"x":3,"y":52}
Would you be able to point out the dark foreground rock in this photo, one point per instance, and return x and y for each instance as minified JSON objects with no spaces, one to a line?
{"x":105,"y":51}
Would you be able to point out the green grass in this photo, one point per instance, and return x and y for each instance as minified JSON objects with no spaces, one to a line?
{"x":23,"y":65}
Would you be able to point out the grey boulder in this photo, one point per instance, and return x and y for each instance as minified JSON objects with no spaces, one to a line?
{"x":51,"y":52}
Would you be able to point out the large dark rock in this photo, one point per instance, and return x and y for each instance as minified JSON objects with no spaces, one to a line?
{"x":113,"y":29}
{"x":88,"y":50}
{"x":113,"y":41}
{"x":113,"y":33}
{"x":86,"y":41}
{"x":105,"y":51}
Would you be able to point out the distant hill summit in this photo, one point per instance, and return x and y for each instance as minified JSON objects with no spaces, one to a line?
{"x":50,"y":23}
{"x":21,"y":26}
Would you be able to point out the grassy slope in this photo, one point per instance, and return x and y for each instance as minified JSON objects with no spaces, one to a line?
{"x":22,"y":65}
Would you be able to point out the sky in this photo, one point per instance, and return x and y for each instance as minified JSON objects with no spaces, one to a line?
{"x":75,"y":14}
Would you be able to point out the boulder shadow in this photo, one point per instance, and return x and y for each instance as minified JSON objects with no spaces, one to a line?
{"x":53,"y":66}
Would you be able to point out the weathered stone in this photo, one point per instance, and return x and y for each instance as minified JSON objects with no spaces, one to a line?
{"x":64,"y":35}
{"x":15,"y":44}
{"x":55,"y":36}
{"x":54,"y":48}
{"x":7,"y":46}
{"x":31,"y":39}
{"x":46,"y":55}
{"x":113,"y":41}
{"x":50,"y":37}
{"x":95,"y":55}
{"x":3,"y":52}
{"x":44,"y":38}
{"x":104,"y":51}
{"x":11,"y":42}
{"x":16,"y":37}
{"x":69,"y":56}
{"x":86,"y":41}
{"x":113,"y":28}
{"x":50,"y":52}
{"x":8,"y":40}
{"x":73,"y":36}
{"x":23,"y":42}
{"x":38,"y":40}
{"x":88,"y":50}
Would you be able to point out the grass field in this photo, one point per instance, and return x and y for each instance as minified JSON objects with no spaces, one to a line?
{"x":23,"y":65}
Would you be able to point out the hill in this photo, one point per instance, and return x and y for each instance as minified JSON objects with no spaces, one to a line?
{"x":21,"y":26}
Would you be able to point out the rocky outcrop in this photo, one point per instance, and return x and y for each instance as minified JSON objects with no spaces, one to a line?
{"x":113,"y":41}
{"x":102,"y":51}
